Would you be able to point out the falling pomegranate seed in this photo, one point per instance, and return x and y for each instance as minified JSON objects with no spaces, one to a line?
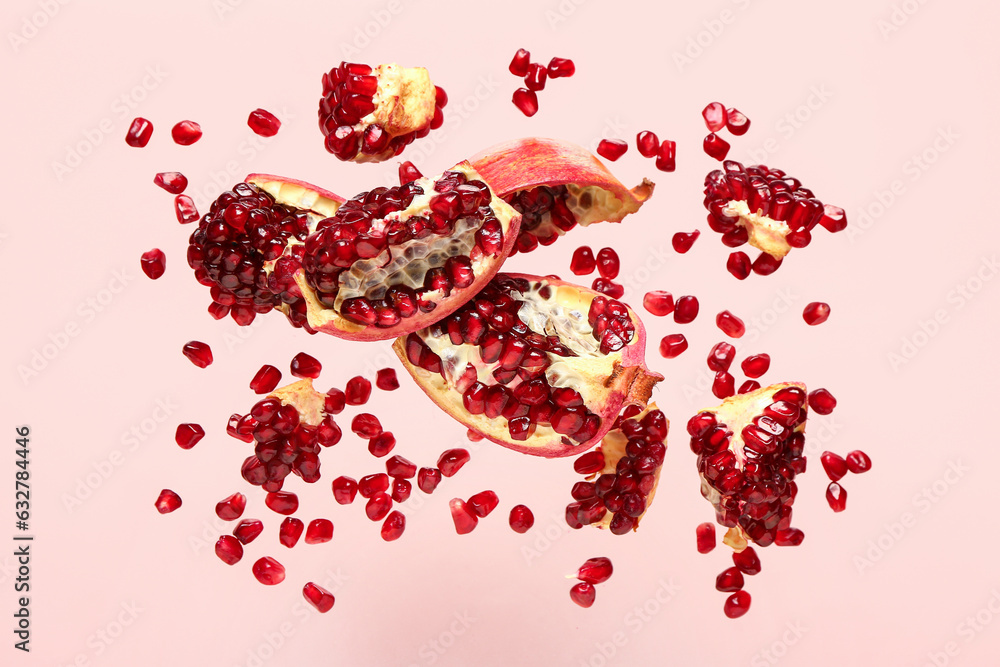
{"x":319,"y":531}
{"x":608,"y":288}
{"x":724,"y":385}
{"x":199,"y":353}
{"x":720,"y":358}
{"x":747,"y":561}
{"x":382,"y":444}
{"x":344,"y":490}
{"x":318,"y":597}
{"x":526,"y":101}
{"x":536,"y":77}
{"x":186,"y":132}
{"x":647,"y":143}
{"x":822,"y":402}
{"x":611,"y":149}
{"x":673,"y":345}
{"x":370,"y":485}
{"x":738,"y":264}
{"x":483,"y":503}
{"x":188,"y":435}
{"x":560,"y":68}
{"x":737,"y":604}
{"x":473,"y":436}
{"x":765,"y":264}
{"x":185,"y":209}
{"x":658,"y":303}
{"x":748,"y":386}
{"x":378,"y":506}
{"x":385,"y":379}
{"x":247,"y":530}
{"x":428,"y":479}
{"x":834,"y":465}
{"x":290,"y":531}
{"x":608,"y":263}
{"x":393,"y":526}
{"x":583,"y":261}
{"x":789,"y":537}
{"x":173,"y":182}
{"x":266,"y":379}
{"x":756,"y":365}
{"x":366,"y":425}
{"x":716,"y":147}
{"x":464,"y":518}
{"x":858,"y":462}
{"x":731,"y":325}
{"x":269,"y":571}
{"x":400,"y":467}
{"x":305,"y":366}
{"x":666,"y":156}
{"x":408,"y":172}
{"x":167,"y":501}
{"x":715,"y":116}
{"x":264,"y":123}
{"x":153,"y":263}
{"x":583,"y":594}
{"x":834,"y":218}
{"x":521,"y":519}
{"x":589,"y":463}
{"x":229,"y":550}
{"x":231,"y":508}
{"x":682,"y":241}
{"x":139,"y":133}
{"x":815,"y":313}
{"x":686,"y":309}
{"x":282,"y":502}
{"x":401,"y":490}
{"x":836,"y":497}
{"x":729,"y":580}
{"x":706,"y":537}
{"x":519,"y":63}
{"x":736,"y":122}
{"x":334,"y":402}
{"x":358,"y":390}
{"x":595,"y":570}
{"x":452,"y":460}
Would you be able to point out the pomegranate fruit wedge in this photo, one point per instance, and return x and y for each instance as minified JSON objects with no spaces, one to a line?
{"x":370,"y":114}
{"x":534,"y":364}
{"x":556,"y":185}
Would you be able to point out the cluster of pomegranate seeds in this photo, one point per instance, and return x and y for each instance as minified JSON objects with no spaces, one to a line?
{"x":268,"y":571}
{"x":682,"y":241}
{"x":167,"y":501}
{"x":305,"y":366}
{"x":318,"y":597}
{"x":290,"y":531}
{"x":731,"y":325}
{"x":188,"y":435}
{"x":186,"y":132}
{"x":612,"y":149}
{"x":266,"y":379}
{"x":153,"y":263}
{"x":815,"y":313}
{"x":718,"y":117}
{"x":173,"y":182}
{"x":649,"y":146}
{"x":231,"y":507}
{"x":537,"y":206}
{"x":672,"y":345}
{"x":200,"y":354}
{"x":521,"y":519}
{"x":385,"y":379}
{"x":263,"y":123}
{"x":139,"y":133}
{"x":593,"y":571}
{"x":705,"y":534}
{"x":686,"y":309}
{"x":535,"y":75}
{"x":836,"y":467}
{"x":185,"y":209}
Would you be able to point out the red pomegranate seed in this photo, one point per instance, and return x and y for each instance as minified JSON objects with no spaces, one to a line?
{"x":673,"y":345}
{"x":737,"y":604}
{"x":716,"y":147}
{"x":464,"y":518}
{"x":452,"y":460}
{"x":666,"y":156}
{"x":401,"y":490}
{"x":608,"y":263}
{"x":789,"y":537}
{"x":521,"y":519}
{"x":318,"y":597}
{"x":608,"y":288}
{"x":748,"y":386}
{"x":560,"y":68}
{"x":536,"y":77}
{"x":334,"y":402}
{"x":720,"y":358}
{"x":765,"y":264}
{"x":167,"y":501}
{"x":305,"y":366}
{"x":186,"y":132}
{"x":229,"y":550}
{"x":731,"y":325}
{"x":139,"y":133}
{"x":483,"y":503}
{"x":393,"y":526}
{"x":682,"y":241}
{"x":153,"y":263}
{"x":822,"y":402}
{"x":858,"y":462}
{"x":344,"y":490}
{"x":408,"y":172}
{"x":715,"y":116}
{"x":282,"y":502}
{"x":738,"y":264}
{"x":834,"y":219}
{"x":247,"y":530}
{"x":188,"y":435}
{"x":815,"y":313}
{"x":706,"y":537}
{"x":686,"y":309}
{"x":611,"y":149}
{"x":400,"y":467}
{"x":358,"y":390}
{"x":583,"y":594}
{"x":385,"y":379}
{"x":747,"y":561}
{"x":378,"y":506}
{"x":231,"y":508}
{"x":526,"y":101}
{"x":836,"y":497}
{"x":729,"y":580}
{"x":428,"y":479}
{"x":519,"y":63}
{"x":595,"y":570}
{"x":369,"y":485}
{"x":736,"y":122}
{"x":724,"y":385}
{"x":319,"y":531}
{"x":382,"y":444}
{"x":583,"y":261}
{"x":834,"y":465}
{"x":658,"y":303}
{"x":647,"y":143}
{"x":200,"y":354}
{"x":264,"y":123}
{"x":269,"y":571}
{"x":173,"y":182}
{"x":290,"y":531}
{"x":589,"y":463}
{"x":185,"y":209}
{"x":266,"y":379}
{"x":756,"y":365}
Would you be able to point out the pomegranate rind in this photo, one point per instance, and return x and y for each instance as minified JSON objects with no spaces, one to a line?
{"x":303,"y":397}
{"x":404,"y":101}
{"x":763,"y":233}
{"x":297,"y":194}
{"x":615,"y":380}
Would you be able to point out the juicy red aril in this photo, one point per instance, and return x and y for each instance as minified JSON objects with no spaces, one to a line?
{"x":595,"y":570}
{"x":231,"y":507}
{"x":334,"y":402}
{"x":188,"y":435}
{"x":290,"y":531}
{"x":318,"y":597}
{"x":608,"y":288}
{"x":583,"y":594}
{"x":305,"y":366}
{"x":408,"y":172}
{"x":822,"y":402}
{"x":185,"y":210}
{"x":401,"y":490}
{"x":269,"y":571}
{"x":747,"y":561}
{"x":721,"y":357}
{"x":756,"y":365}
{"x":428,"y":479}
{"x":834,"y":465}
{"x":167,"y":501}
{"x":647,"y":143}
{"x":724,"y":385}
{"x":358,"y":390}
{"x":715,"y":116}
{"x":536,"y":76}
{"x":344,"y":490}
{"x":666,"y":156}
{"x":519,"y":63}
{"x":382,"y":444}
{"x":737,"y":604}
{"x":589,"y":463}
{"x":483,"y":503}
{"x":398,"y":466}
{"x":452,"y":460}
{"x":658,"y":303}
{"x":716,"y":147}
{"x":282,"y":502}
{"x":200,"y":354}
{"x":815,"y":313}
{"x":266,"y":379}
{"x":378,"y":506}
{"x":836,"y":497}
{"x":583,"y":261}
{"x":526,"y":101}
{"x":789,"y":537}
{"x":765,"y":264}
{"x":612,"y":149}
{"x":521,"y":519}
{"x":682,"y":241}
{"x":739,"y":265}
{"x":263,"y":123}
{"x":686,"y":309}
{"x":366,"y":425}
{"x":247,"y":530}
{"x":319,"y":531}
{"x":464,"y":518}
{"x":731,"y":325}
{"x":139,"y":133}
{"x":673,"y":345}
{"x":385,"y":379}
{"x":706,"y":537}
{"x":729,"y":580}
{"x":561,"y":67}
{"x":748,"y":386}
{"x":173,"y":182}
{"x":186,"y":132}
{"x":153,"y":263}
{"x":834,"y":219}
{"x":858,"y":462}
{"x":393,"y":526}
{"x":736,"y":122}
{"x":608,"y":263}
{"x":370,"y":485}
{"x":229,"y":550}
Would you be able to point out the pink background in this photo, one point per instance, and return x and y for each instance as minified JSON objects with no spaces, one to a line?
{"x":895,"y":122}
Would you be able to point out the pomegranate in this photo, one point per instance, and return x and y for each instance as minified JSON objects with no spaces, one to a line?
{"x":370,"y":114}
{"x":263,"y":123}
{"x":521,"y":519}
{"x":318,"y":597}
{"x":167,"y":501}
{"x":139,"y":133}
{"x":186,"y":132}
{"x":611,"y":149}
{"x":534,"y":364}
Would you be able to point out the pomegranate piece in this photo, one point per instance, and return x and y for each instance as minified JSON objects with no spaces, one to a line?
{"x":706,"y":537}
{"x":608,"y":263}
{"x":247,"y":530}
{"x":716,"y":147}
{"x":393,"y":526}
{"x":682,"y":241}
{"x":612,"y":149}
{"x":319,"y":531}
{"x":666,"y":156}
{"x":815,"y":313}
{"x":729,"y":580}
{"x":188,"y":435}
{"x":673,"y":345}
{"x":186,"y":132}
{"x":834,"y":465}
{"x":647,"y":143}
{"x":738,"y":265}
{"x":822,"y":401}
{"x":737,"y":604}
{"x":595,"y":570}
{"x":305,"y":366}
{"x":736,"y":122}
{"x":344,"y":490}
{"x":583,"y":594}
{"x":185,"y":210}
{"x":282,"y":502}
{"x":173,"y":182}
{"x":200,"y":354}
{"x":229,"y":550}
{"x":836,"y":497}
{"x":231,"y":507}
{"x":290,"y":531}
{"x":428,"y":479}
{"x":521,"y":519}
{"x":858,"y":462}
{"x":747,"y":561}
{"x":398,"y":467}
{"x":560,"y":68}
{"x":139,"y":133}
{"x":378,"y":506}
{"x":536,"y":77}
{"x":265,"y":380}
{"x":731,"y":325}
{"x":318,"y":597}
{"x":583,"y":261}
{"x":715,"y":116}
{"x":658,"y":303}
{"x":263,"y":123}
{"x":464,"y":518}
{"x":686,"y":309}
{"x":385,"y":379}
{"x":268,"y":571}
{"x":358,"y":390}
{"x":382,"y":444}
{"x":519,"y":63}
{"x":526,"y":100}
{"x":483,"y":503}
{"x":167,"y":501}
{"x":153,"y":263}
{"x":756,"y":365}
{"x":452,"y":460}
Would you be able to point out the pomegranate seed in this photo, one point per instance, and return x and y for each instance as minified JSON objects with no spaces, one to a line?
{"x":408,"y":172}
{"x":686,"y":309}
{"x":305,"y":366}
{"x":724,"y":385}
{"x":589,"y":463}
{"x":393,"y":526}
{"x":608,"y":288}
{"x":344,"y":490}
{"x":290,"y":531}
{"x":269,"y":571}
{"x":836,"y":497}
{"x":822,"y":402}
{"x":401,"y":490}
{"x":231,"y":507}
{"x":199,"y":353}
{"x":747,"y":561}
{"x":834,"y":465}
{"x":385,"y":379}
{"x":737,"y":604}
{"x":521,"y":519}
{"x":229,"y":550}
{"x":452,"y":460}
{"x":366,"y":426}
{"x":334,"y":402}
{"x":583,"y":594}
{"x":382,"y":444}
{"x":185,"y":209}
{"x":736,"y":122}
{"x":319,"y":531}
{"x":139,"y":133}
{"x":815,"y":313}
{"x":153,"y":263}
{"x":789,"y":537}
{"x":706,"y":537}
{"x":658,"y":303}
{"x":729,"y":580}
{"x":756,"y":365}
{"x":483,"y":503}
{"x":560,"y":68}
{"x":536,"y":77}
{"x":428,"y":479}
{"x":583,"y":261}
{"x":400,"y":467}
{"x":748,"y":386}
{"x":738,"y":264}
{"x":247,"y":530}
{"x":647,"y":143}
{"x":716,"y":147}
{"x":720,"y":358}
{"x":731,"y":325}
{"x":858,"y":462}
{"x":186,"y":132}
{"x":683,"y":241}
{"x":167,"y":501}
{"x":465,"y":520}
{"x":612,"y":149}
{"x":282,"y":502}
{"x":378,"y":506}
{"x":834,"y":219}
{"x":358,"y":390}
{"x":608,"y":263}
{"x":173,"y":182}
{"x":188,"y":435}
{"x":595,"y":570}
{"x":266,"y":379}
{"x":765,"y":264}
{"x":519,"y":63}
{"x":263,"y":123}
{"x":715,"y":116}
{"x":671,"y":346}
{"x":369,"y":485}
{"x":526,"y":101}
{"x":318,"y":597}
{"x":666,"y":157}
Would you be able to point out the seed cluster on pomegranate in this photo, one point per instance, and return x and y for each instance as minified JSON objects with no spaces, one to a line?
{"x":535,"y":75}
